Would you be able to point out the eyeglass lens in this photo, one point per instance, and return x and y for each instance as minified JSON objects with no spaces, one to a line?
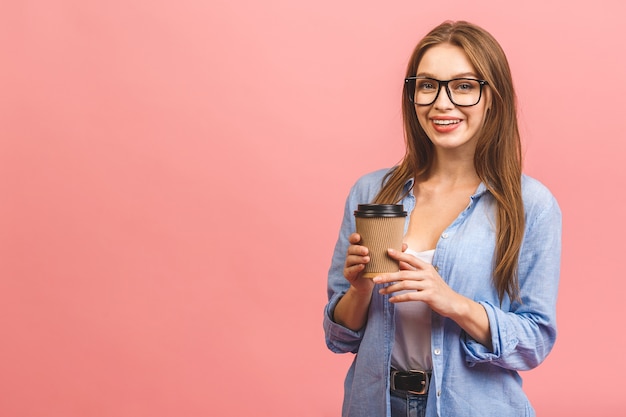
{"x":461,"y":91}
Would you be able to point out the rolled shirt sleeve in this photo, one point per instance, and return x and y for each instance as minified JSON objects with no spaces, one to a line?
{"x":340,"y":339}
{"x":523,"y":336}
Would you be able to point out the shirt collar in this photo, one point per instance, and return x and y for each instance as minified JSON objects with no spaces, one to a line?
{"x":482,"y":188}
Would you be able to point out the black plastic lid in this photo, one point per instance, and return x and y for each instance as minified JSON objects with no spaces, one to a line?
{"x":380,"y":210}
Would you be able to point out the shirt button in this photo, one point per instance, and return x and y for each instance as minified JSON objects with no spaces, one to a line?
{"x":437,"y":352}
{"x":445,"y":235}
{"x":436,"y":268}
{"x":438,"y":393}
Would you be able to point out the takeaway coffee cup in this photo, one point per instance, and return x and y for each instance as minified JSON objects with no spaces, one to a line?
{"x":381,"y":227}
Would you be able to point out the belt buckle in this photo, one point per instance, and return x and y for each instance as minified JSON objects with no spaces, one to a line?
{"x":392,"y":381}
{"x":425,"y":383}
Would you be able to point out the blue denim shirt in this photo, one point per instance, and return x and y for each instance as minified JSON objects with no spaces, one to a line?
{"x":468,"y":379}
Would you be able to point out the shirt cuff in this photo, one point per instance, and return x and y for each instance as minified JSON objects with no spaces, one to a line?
{"x":475,"y":352}
{"x":340,"y":339}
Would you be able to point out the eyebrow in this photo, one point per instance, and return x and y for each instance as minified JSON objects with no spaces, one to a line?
{"x":462,"y":75}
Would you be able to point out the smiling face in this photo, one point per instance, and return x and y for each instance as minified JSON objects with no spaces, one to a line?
{"x":450,"y":127}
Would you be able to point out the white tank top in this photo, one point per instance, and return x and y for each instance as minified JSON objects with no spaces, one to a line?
{"x":411,"y":349}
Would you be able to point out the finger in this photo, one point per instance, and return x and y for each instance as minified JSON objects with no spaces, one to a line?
{"x":401,"y":286}
{"x":406,"y":266}
{"x":351,"y":272}
{"x":408,"y":258}
{"x":356,"y":260}
{"x":357,"y":250}
{"x":407,"y":296}
{"x":388,"y":278}
{"x":354,"y":238}
{"x":400,"y":276}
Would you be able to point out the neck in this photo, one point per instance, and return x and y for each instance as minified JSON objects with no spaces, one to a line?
{"x":452,"y":169}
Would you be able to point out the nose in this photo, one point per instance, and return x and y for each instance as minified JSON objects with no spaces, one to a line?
{"x":443,"y":101}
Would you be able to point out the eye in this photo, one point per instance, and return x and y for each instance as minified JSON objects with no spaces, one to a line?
{"x":464,"y":86}
{"x":426,"y":85}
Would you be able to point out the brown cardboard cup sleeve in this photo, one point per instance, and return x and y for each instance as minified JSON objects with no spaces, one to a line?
{"x":381,"y":227}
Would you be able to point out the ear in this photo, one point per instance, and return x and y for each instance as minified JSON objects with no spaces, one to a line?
{"x":488,"y":97}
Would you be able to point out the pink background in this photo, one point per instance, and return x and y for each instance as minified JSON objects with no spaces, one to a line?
{"x":172,"y":178}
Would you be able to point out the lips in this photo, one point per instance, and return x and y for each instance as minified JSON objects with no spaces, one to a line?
{"x":445,"y":125}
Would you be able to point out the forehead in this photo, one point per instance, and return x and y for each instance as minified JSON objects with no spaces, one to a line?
{"x":444,"y":62}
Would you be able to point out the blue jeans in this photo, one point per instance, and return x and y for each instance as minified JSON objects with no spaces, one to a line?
{"x":407,"y":405}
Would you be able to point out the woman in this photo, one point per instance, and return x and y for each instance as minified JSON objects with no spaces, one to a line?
{"x":474,"y":301}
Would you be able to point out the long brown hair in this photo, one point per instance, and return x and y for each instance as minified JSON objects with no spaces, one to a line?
{"x":497,"y":159}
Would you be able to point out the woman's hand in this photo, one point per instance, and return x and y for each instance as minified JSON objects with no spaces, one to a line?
{"x":356,"y":258}
{"x":351,"y":311}
{"x":424,"y":280}
{"x":430,"y":288}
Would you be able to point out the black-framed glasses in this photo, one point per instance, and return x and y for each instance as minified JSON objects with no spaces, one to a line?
{"x":463,"y":92}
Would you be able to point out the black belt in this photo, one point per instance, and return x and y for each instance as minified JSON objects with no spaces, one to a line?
{"x":413,"y":382}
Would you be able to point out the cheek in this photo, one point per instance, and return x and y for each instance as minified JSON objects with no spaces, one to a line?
{"x":478,"y":114}
{"x":477,"y":120}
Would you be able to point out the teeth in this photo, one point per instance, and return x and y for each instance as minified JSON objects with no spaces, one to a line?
{"x":446,"y":122}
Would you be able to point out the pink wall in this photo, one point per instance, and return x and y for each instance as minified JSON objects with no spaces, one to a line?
{"x":173,"y":177}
